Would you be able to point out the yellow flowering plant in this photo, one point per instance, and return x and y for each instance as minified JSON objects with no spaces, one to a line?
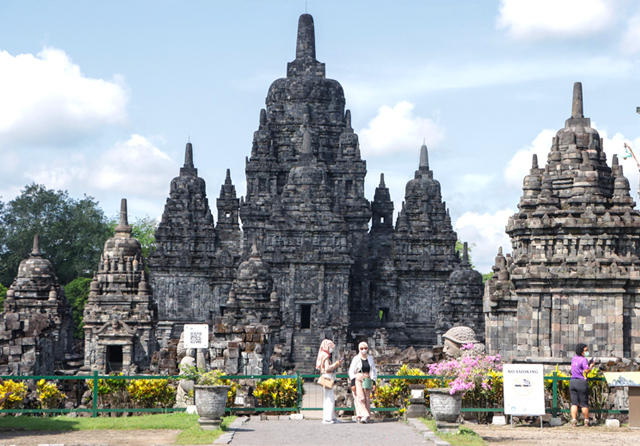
{"x":18,"y":392}
{"x":151,"y":393}
{"x":49,"y":395}
{"x":281,"y":392}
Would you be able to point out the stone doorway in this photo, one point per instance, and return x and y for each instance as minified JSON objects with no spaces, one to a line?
{"x":114,"y":358}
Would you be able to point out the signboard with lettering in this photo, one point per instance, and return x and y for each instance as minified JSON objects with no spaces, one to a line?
{"x":196,"y":336}
{"x":523,"y":389}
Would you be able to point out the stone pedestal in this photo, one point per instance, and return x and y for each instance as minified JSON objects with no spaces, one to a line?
{"x":211,"y":402}
{"x":445,"y":408}
{"x":416,"y":407}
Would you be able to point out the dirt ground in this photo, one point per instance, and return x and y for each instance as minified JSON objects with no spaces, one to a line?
{"x":147,"y":437}
{"x":557,"y":436}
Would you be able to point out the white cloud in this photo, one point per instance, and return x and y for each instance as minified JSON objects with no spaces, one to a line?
{"x":520,"y":164}
{"x":485,"y":233}
{"x":538,"y":19}
{"x":135,"y":167}
{"x":398,"y":130}
{"x":46,"y":100}
{"x":615,"y":145}
{"x":631,"y":38}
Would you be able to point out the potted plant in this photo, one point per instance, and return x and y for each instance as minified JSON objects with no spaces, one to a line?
{"x":211,"y":392}
{"x":460,"y":375}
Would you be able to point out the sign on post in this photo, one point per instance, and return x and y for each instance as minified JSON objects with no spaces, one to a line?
{"x":196,"y":336}
{"x":523,"y":389}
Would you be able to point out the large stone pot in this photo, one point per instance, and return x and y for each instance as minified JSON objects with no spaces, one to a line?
{"x":210,"y":404}
{"x":445,"y":408}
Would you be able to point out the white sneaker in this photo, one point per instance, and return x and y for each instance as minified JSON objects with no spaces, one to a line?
{"x":328,"y":422}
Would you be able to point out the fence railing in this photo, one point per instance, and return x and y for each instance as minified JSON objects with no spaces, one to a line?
{"x":95,"y":410}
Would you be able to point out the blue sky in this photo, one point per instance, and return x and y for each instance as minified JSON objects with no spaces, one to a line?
{"x":100,"y":97}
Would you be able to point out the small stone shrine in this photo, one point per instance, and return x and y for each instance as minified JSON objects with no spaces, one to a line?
{"x":119,"y":317}
{"x":574,"y":273}
{"x":305,"y":265}
{"x":36,"y":327}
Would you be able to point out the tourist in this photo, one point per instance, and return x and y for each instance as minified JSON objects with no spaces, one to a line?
{"x":578,"y":386}
{"x":323,"y":363}
{"x":363,"y":381}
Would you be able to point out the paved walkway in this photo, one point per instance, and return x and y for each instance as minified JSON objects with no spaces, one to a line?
{"x":285,"y":432}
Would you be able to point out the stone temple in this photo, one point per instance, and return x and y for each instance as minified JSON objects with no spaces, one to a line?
{"x":36,"y":327}
{"x":574,"y":274}
{"x":305,"y":255}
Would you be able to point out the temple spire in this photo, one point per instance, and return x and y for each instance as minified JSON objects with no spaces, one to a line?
{"x":227,"y":180}
{"x":424,"y":157}
{"x":306,"y":44}
{"x":577,"y":118}
{"x":123,"y":225}
{"x":188,"y":156}
{"x":465,"y":254}
{"x":576,"y":106}
{"x":382,"y":185}
{"x":36,"y":246}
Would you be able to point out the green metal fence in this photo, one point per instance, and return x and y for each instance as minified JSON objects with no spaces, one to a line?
{"x":95,"y":410}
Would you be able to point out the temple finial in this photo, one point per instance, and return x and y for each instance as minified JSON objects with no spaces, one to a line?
{"x":465,"y":254}
{"x":227,"y":180}
{"x":576,"y":106}
{"x":424,"y":157}
{"x":306,"y":44}
{"x":123,"y":213}
{"x":382,"y":185}
{"x":36,"y":246}
{"x":254,"y":251}
{"x":188,"y":156}
{"x":347,"y":118}
{"x":534,"y":161}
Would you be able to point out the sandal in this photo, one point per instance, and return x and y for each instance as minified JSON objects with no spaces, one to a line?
{"x":574,"y":423}
{"x":586,"y":423}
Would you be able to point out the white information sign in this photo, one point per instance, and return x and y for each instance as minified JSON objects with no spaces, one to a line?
{"x":196,"y":336}
{"x":523,"y":389}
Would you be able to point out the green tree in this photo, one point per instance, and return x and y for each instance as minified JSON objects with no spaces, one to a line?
{"x":486,"y":277}
{"x":144,"y":229}
{"x":77,"y":292}
{"x":3,"y":296}
{"x":72,"y":232}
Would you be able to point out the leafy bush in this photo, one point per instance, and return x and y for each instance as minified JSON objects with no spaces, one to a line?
{"x":397,"y":392}
{"x":112,"y":393}
{"x":281,"y":392}
{"x":150,"y":393}
{"x":18,"y":393}
{"x":49,"y":395}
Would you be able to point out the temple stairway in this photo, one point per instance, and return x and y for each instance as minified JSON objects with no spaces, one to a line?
{"x":305,"y":351}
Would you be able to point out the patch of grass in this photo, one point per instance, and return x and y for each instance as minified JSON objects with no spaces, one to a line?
{"x":466,"y":436}
{"x":187,"y":423}
{"x":195,"y":435}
